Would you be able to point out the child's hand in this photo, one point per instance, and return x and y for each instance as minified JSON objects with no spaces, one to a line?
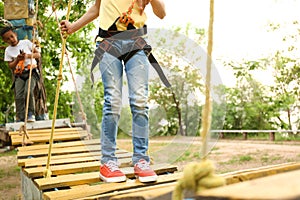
{"x":21,"y":56}
{"x":142,"y":4}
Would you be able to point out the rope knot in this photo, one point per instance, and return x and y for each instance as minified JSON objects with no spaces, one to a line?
{"x":23,"y":132}
{"x":197,"y":177}
{"x":59,"y":77}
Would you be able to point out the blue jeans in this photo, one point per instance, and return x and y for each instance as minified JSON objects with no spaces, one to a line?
{"x":137,"y":72}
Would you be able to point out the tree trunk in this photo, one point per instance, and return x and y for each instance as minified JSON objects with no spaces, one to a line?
{"x":179,"y":114}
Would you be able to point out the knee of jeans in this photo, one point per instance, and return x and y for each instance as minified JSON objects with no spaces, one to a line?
{"x":139,"y":103}
{"x":112,"y":105}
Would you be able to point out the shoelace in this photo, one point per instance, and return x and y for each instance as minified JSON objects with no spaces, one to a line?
{"x":113,"y":166}
{"x":143,"y":165}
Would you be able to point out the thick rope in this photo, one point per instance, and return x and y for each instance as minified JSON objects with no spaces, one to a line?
{"x":200,"y":176}
{"x":48,"y":172}
{"x":207,"y":109}
{"x":23,"y":128}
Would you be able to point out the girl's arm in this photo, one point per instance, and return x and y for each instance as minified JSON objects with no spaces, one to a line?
{"x":85,"y":19}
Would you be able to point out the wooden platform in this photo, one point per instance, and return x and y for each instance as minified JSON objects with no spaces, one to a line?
{"x":75,"y":173}
{"x":75,"y":167}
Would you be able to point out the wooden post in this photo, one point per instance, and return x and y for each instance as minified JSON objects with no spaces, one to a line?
{"x":245,"y":135}
{"x":272,"y":136}
{"x":222,"y":135}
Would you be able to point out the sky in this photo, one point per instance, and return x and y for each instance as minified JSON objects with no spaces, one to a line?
{"x":240,"y":26}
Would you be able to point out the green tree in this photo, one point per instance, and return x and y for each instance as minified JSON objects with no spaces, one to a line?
{"x":177,"y":110}
{"x":249,"y":105}
{"x":286,"y":65}
{"x":79,"y":47}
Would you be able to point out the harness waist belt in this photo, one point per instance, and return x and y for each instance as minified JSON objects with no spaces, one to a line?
{"x":122,"y":35}
{"x":139,"y":44}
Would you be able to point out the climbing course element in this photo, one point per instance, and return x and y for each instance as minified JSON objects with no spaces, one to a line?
{"x":199,"y":176}
{"x":47,"y":173}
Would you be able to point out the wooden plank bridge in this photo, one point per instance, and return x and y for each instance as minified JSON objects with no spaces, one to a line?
{"x":74,"y":165}
{"x":75,"y":173}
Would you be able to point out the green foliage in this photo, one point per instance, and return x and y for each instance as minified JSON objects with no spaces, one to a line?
{"x":248,"y":104}
{"x":176,"y":111}
{"x":6,"y":102}
{"x":251,"y":105}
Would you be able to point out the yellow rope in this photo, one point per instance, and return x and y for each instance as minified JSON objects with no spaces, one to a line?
{"x":23,"y":128}
{"x":48,"y":172}
{"x":200,"y":176}
{"x":207,"y":109}
{"x":73,"y":79}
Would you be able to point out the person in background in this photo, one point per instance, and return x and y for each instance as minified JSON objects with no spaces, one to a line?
{"x":18,"y":55}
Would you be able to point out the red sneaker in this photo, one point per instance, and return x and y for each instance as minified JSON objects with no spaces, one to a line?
{"x":110,"y":172}
{"x":143,"y":171}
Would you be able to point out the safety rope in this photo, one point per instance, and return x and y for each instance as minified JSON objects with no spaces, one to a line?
{"x":73,"y":79}
{"x":23,"y":129}
{"x":48,"y":172}
{"x":200,"y":176}
{"x":125,"y":18}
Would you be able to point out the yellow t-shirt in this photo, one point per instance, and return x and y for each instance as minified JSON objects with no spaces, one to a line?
{"x":110,"y":10}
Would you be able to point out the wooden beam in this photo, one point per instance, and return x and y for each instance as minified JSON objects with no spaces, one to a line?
{"x":57,"y":138}
{"x":59,"y":145}
{"x":40,"y":131}
{"x":105,"y":188}
{"x":41,"y":160}
{"x":59,"y":151}
{"x":279,"y":186}
{"x":38,"y":124}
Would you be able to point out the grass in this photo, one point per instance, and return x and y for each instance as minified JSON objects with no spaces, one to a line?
{"x":7,"y":186}
{"x":266,"y":158}
{"x":9,"y":153}
{"x":238,"y":160}
{"x":9,"y":172}
{"x":245,"y":158}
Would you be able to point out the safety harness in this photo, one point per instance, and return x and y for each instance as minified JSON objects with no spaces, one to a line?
{"x":110,"y":36}
{"x":20,"y":68}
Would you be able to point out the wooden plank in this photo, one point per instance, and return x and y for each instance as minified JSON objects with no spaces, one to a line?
{"x":75,"y":158}
{"x":47,"y":134}
{"x":59,"y":151}
{"x":92,"y":177}
{"x":68,"y":168}
{"x":147,"y":193}
{"x":250,"y":174}
{"x":36,"y":161}
{"x":18,"y":141}
{"x":280,"y":186}
{"x":41,"y":131}
{"x":104,"y":188}
{"x":45,"y":137}
{"x":38,"y":124}
{"x":60,"y":145}
{"x":161,"y":191}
